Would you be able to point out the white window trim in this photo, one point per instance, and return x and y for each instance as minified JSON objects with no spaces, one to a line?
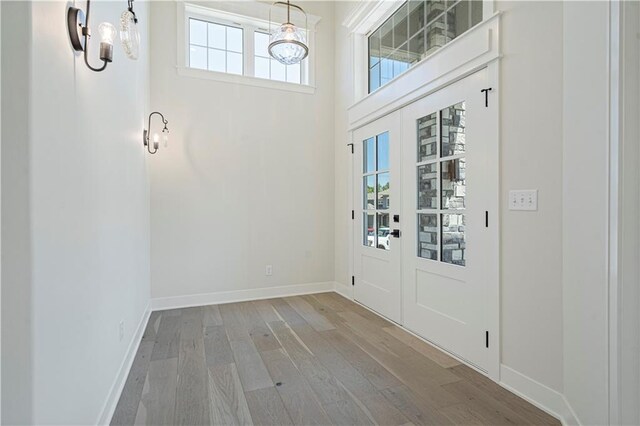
{"x":365,"y":19}
{"x":251,"y":16}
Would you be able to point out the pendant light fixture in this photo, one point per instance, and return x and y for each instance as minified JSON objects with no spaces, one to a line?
{"x":287,"y":42}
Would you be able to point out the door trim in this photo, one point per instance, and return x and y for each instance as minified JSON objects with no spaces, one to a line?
{"x":471,"y":52}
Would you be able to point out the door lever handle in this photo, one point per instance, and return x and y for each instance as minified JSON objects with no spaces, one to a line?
{"x":395,"y":233}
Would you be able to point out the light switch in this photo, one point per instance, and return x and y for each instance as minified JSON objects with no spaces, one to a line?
{"x":523,"y":199}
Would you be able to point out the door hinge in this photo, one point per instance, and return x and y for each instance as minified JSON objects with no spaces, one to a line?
{"x":351,"y":145}
{"x":353,"y":280}
{"x":486,"y":338}
{"x":486,"y":219}
{"x":353,"y":214}
{"x":486,"y":95}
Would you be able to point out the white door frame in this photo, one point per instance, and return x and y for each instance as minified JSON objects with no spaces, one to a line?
{"x":624,"y":211}
{"x":476,"y":49}
{"x":493,"y":178}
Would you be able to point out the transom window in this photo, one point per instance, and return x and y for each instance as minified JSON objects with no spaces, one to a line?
{"x":441,"y":168}
{"x":376,"y":185}
{"x":236,"y":45}
{"x":413,"y":32}
{"x":215,"y":47}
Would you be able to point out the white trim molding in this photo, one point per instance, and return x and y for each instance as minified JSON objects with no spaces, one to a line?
{"x":543,"y":397}
{"x":369,"y":14}
{"x":470,"y":52}
{"x":109,"y":407}
{"x":345,"y":291}
{"x":186,"y":301}
{"x":245,"y":80}
{"x":624,"y":210}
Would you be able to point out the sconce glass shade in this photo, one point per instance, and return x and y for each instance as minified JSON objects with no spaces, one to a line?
{"x":129,"y":35}
{"x":288,"y":44}
{"x":107,"y":33}
{"x":165,"y":137}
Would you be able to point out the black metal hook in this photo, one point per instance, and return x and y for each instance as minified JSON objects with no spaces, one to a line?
{"x":130,"y":8}
{"x":486,"y":95}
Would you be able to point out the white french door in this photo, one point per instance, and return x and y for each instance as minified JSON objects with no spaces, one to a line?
{"x":427,"y":172}
{"x":377,"y":203}
{"x":446,"y":243}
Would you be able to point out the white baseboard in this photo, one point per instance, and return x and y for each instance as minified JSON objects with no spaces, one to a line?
{"x":118,"y":384}
{"x":543,"y":397}
{"x":162,"y":303}
{"x":344,"y":290}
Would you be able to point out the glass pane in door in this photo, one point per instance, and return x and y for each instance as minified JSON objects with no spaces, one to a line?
{"x":383,"y":191}
{"x":427,"y":186}
{"x":369,"y":155}
{"x":383,"y":231}
{"x":453,"y":238}
{"x":452,"y":130}
{"x":428,"y":236}
{"x":453,"y":183}
{"x":369,"y":230}
{"x":369,"y":190}
{"x":383,"y":151}
{"x":427,"y":142}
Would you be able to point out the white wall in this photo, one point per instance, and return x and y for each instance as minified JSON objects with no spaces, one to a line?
{"x":16,"y":241}
{"x":585,"y":209}
{"x":87,"y":215}
{"x":531,"y":158}
{"x":344,"y":90}
{"x":248,"y":178}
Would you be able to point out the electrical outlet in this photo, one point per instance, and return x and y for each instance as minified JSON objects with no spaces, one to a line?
{"x":121,"y":330}
{"x":523,"y":199}
{"x":268,"y":271}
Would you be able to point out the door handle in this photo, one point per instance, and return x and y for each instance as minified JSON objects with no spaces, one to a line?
{"x":395,"y":233}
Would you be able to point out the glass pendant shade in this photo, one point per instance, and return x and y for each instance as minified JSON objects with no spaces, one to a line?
{"x":288,"y":44}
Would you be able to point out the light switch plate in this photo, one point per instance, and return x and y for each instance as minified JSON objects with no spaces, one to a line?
{"x":523,"y":199}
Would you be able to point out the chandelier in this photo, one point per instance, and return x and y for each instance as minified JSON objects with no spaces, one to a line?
{"x":287,"y":42}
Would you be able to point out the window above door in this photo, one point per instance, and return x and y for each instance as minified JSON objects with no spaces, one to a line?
{"x":413,"y":32}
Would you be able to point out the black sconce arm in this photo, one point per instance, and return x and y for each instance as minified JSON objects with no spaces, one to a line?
{"x":80,"y":34}
{"x":87,"y":35}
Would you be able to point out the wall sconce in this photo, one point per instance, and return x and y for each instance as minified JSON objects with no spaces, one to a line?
{"x":79,"y":33}
{"x":164,"y":135}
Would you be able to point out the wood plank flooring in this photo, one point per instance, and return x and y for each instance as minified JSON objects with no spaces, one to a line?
{"x":306,"y":360}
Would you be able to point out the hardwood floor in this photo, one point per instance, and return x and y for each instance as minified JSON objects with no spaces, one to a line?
{"x":307,"y":360}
